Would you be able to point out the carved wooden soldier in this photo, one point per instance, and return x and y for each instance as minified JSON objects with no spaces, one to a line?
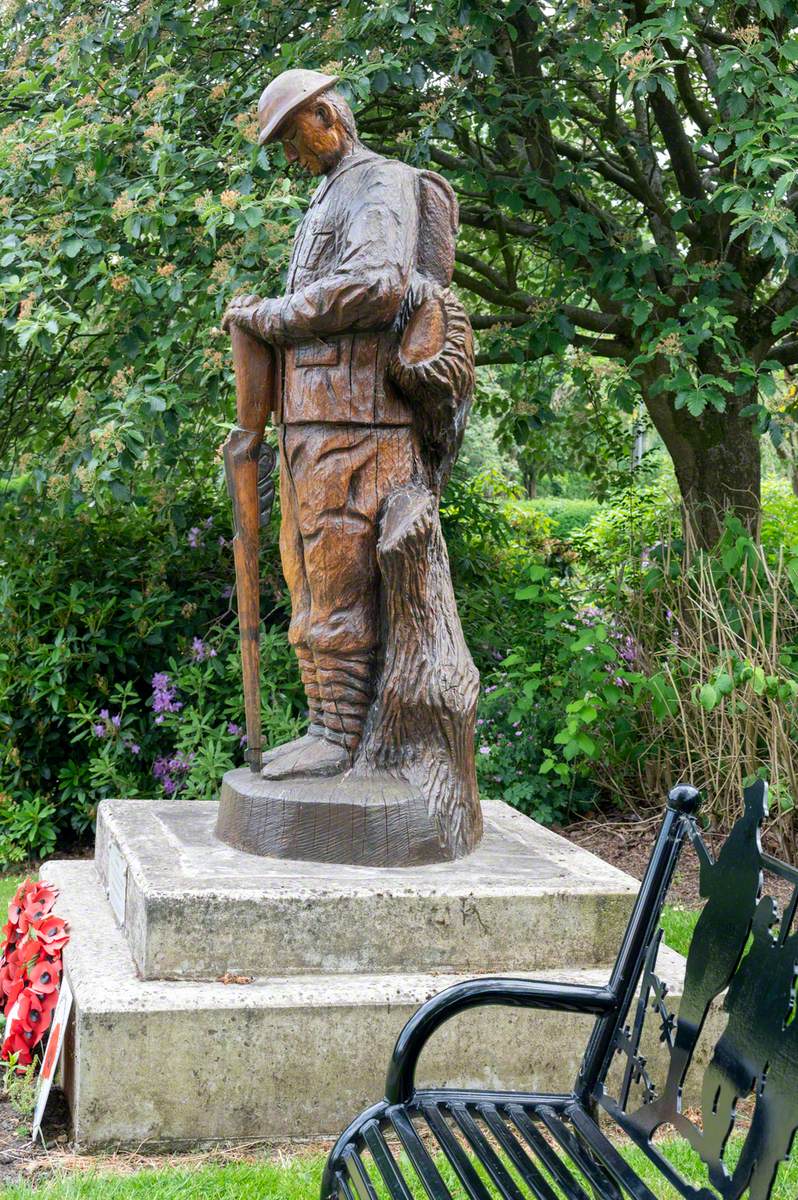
{"x":377,"y":380}
{"x":347,"y":435}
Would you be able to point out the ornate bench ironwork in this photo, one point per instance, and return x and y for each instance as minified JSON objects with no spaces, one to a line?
{"x":549,"y":1146}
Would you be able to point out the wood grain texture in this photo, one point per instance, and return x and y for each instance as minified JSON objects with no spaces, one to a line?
{"x":421,"y":725}
{"x":254,"y":364}
{"x":377,"y":821}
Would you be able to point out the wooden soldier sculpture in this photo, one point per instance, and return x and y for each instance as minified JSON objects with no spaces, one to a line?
{"x":376,"y":360}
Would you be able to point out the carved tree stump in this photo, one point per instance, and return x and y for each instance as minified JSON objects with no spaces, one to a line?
{"x":421,"y":725}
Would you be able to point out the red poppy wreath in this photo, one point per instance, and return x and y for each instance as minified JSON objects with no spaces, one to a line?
{"x":30,"y":968}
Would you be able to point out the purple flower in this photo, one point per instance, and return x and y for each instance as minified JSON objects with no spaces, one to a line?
{"x":116,"y":720}
{"x":194,"y":537}
{"x":629,"y":650}
{"x":233,"y":729}
{"x":227,"y":592}
{"x":134,"y":748}
{"x":208,"y":522}
{"x":199,"y":651}
{"x":164,"y":696}
{"x":104,"y":714}
{"x":98,"y":730}
{"x":169,"y":785}
{"x":484,"y":749}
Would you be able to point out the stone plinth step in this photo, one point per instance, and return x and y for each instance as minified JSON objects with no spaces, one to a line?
{"x":193,"y":908}
{"x":179,"y":1063}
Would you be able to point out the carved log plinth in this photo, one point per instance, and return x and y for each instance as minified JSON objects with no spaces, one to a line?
{"x":372,"y":822}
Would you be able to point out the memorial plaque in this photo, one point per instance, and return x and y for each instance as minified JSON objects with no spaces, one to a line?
{"x":117,"y":883}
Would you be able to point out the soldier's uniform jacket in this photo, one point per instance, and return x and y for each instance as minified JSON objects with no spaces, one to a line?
{"x":353,"y":256}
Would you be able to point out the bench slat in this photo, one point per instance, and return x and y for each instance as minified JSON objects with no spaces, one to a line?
{"x":359,"y":1175}
{"x":344,"y":1190}
{"x":515,"y":1151}
{"x":595,"y":1176}
{"x":613,"y":1161}
{"x":486,"y":1154}
{"x":460,"y":1161}
{"x":416,"y":1151}
{"x":553,"y":1164}
{"x":380,"y":1152}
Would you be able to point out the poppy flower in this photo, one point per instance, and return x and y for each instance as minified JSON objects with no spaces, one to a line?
{"x":27,"y":951}
{"x":30,"y":1013}
{"x":12,"y":989}
{"x":39,"y":901}
{"x":20,"y":1042}
{"x":45,"y":976}
{"x":9,"y":973}
{"x":48,"y":1002}
{"x":52,"y":933}
{"x":12,"y":981}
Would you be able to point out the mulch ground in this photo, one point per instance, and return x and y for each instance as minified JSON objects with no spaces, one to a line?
{"x":626,"y":841}
{"x":20,"y":1158}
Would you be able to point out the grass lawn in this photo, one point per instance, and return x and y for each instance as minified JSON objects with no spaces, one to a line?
{"x":678,"y":924}
{"x":8,"y":885}
{"x":300,"y":1180}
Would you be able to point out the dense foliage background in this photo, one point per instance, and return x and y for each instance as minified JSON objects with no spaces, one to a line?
{"x":628,"y":182}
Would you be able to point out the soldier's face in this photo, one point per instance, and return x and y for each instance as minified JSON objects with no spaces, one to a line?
{"x":314,"y":140}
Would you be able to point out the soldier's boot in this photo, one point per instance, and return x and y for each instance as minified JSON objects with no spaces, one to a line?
{"x":346,"y":686}
{"x":347,"y":689}
{"x":310,"y":680}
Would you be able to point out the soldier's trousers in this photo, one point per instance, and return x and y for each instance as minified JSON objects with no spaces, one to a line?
{"x":333,"y":479}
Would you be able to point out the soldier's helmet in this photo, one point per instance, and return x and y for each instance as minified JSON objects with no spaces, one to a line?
{"x":284,"y":95}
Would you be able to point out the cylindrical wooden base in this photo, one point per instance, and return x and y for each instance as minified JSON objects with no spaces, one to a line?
{"x":374,"y":821}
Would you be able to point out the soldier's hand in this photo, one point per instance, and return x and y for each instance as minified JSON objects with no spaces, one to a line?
{"x":239,"y":312}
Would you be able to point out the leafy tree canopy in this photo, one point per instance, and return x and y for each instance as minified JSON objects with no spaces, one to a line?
{"x":628,"y":178}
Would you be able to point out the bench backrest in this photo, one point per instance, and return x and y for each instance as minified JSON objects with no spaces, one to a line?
{"x":746,"y":946}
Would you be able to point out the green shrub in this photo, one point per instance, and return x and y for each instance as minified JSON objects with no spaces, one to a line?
{"x":621,"y":535}
{"x":667,"y":669}
{"x":95,"y":606}
{"x":564,"y":513}
{"x":779,"y":517}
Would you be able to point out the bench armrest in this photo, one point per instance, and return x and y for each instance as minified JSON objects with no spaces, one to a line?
{"x":521,"y":993}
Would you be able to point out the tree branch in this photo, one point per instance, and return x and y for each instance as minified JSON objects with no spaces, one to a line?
{"x":785,"y":353}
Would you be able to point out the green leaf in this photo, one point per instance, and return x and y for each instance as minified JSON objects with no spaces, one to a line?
{"x":792,"y":571}
{"x":708,"y":697}
{"x":72,"y":246}
{"x":641,"y":312}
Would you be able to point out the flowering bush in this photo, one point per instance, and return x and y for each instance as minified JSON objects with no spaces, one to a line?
{"x":119,"y":663}
{"x":30,"y":969}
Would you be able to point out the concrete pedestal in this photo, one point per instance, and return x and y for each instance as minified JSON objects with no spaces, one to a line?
{"x":333,"y":961}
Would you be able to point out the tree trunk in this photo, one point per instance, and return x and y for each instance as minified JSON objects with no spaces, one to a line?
{"x":717,"y":460}
{"x":421,"y":726}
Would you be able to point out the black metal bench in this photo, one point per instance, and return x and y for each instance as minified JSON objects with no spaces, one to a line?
{"x":551,"y":1146}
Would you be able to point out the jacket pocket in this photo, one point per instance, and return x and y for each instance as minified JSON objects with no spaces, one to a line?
{"x":317,"y":353}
